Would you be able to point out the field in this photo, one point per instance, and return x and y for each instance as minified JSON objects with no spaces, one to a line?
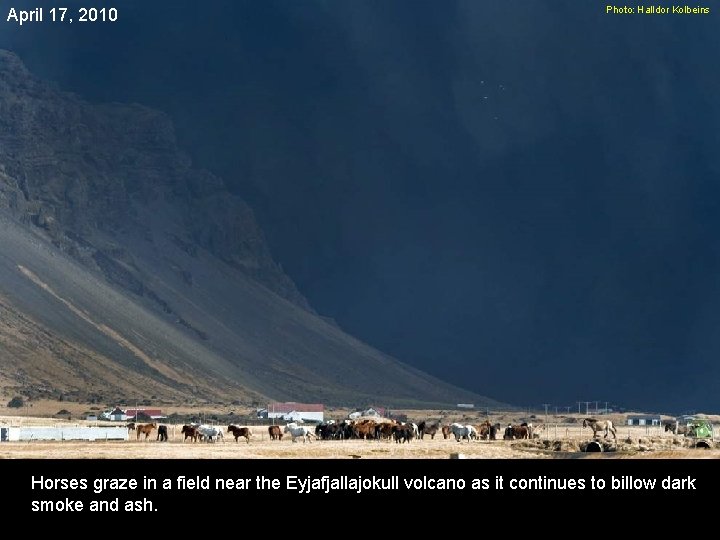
{"x":559,"y":440}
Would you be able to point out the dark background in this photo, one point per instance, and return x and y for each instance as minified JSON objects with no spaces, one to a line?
{"x":520,"y":198}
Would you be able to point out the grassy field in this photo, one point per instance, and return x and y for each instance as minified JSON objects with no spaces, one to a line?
{"x":635,"y":442}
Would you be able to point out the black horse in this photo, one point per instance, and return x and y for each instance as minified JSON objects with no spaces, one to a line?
{"x":162,"y":433}
{"x":428,"y":429}
{"x":677,"y":429}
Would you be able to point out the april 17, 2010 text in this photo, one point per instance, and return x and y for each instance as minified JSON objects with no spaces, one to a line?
{"x":62,"y":15}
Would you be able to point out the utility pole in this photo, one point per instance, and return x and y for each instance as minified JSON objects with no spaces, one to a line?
{"x":579,"y":402}
{"x":587,"y":408}
{"x":606,"y":409}
{"x":546,"y":405}
{"x":596,"y":407}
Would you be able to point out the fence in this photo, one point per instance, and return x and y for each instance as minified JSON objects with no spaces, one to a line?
{"x":39,"y":433}
{"x":576,"y":431}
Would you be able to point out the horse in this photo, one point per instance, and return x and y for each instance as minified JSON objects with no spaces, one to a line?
{"x":240,"y":432}
{"x":677,"y":429}
{"x":517,"y":432}
{"x":208,"y":432}
{"x":536,"y":431}
{"x":600,"y":425}
{"x":190,"y":432}
{"x":130,"y":426}
{"x":144,"y":429}
{"x":428,"y":429}
{"x":486,"y":430}
{"x":403,"y":432}
{"x":463,"y":432}
{"x":445,"y":432}
{"x":384,"y":430}
{"x":162,"y":433}
{"x":275,"y":433}
{"x":296,"y":431}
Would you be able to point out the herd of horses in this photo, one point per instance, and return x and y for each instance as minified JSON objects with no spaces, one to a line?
{"x":366,"y":429}
{"x":406,"y":432}
{"x":371,"y":429}
{"x":202,"y":432}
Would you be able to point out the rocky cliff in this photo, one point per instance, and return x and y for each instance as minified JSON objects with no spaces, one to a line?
{"x":127,"y":273}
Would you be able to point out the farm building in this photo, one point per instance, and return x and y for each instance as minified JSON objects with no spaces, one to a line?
{"x":143,"y":415}
{"x":644,"y":420}
{"x":293,"y":411}
{"x":117,"y":414}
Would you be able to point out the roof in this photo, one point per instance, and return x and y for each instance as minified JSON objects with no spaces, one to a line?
{"x":646,"y":416}
{"x":293,"y":406}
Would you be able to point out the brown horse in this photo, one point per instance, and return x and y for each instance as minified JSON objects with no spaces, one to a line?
{"x":517,"y":432}
{"x":488,"y":431}
{"x":428,"y":429}
{"x":240,"y":432}
{"x":144,"y":429}
{"x":190,"y":432}
{"x":275,"y":433}
{"x":446,"y":432}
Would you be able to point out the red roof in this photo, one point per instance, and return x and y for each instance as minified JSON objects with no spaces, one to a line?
{"x":290,"y":406}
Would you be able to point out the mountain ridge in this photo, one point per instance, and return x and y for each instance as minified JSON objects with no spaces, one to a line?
{"x":126,"y":273}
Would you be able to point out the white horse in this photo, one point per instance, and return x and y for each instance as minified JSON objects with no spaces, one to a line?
{"x":463,"y":432}
{"x":597,"y":425}
{"x":296,"y":431}
{"x":210,"y":433}
{"x":534,"y":432}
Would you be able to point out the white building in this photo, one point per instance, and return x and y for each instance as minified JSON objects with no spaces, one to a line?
{"x":292,"y":411}
{"x":644,"y":420}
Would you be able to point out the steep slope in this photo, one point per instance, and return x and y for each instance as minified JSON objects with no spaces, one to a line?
{"x":125,"y":273}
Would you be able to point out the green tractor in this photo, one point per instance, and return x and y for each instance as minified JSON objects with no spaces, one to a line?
{"x":700,"y":429}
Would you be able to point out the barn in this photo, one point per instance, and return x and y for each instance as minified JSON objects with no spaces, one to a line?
{"x":294,"y":411}
{"x":644,"y":420}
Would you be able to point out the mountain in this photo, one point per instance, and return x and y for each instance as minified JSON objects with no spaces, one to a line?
{"x":127,"y":274}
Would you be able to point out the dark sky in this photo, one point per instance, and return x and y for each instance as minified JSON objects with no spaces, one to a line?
{"x":521,"y":198}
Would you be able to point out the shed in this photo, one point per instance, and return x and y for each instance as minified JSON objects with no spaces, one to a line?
{"x":117,"y":414}
{"x":644,"y":420}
